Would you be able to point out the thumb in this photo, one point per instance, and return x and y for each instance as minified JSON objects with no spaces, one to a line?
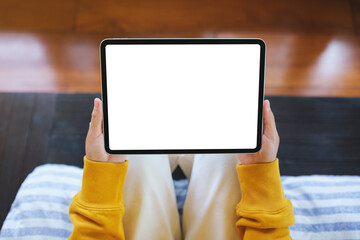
{"x":269,"y":121}
{"x":96,"y":118}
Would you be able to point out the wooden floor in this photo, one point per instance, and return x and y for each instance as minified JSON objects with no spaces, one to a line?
{"x":313,"y":47}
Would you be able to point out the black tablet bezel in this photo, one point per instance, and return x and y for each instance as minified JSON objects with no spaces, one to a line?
{"x":115,"y":41}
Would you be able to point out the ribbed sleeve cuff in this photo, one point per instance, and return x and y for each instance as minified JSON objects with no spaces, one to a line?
{"x":261,"y":187}
{"x":102,"y":184}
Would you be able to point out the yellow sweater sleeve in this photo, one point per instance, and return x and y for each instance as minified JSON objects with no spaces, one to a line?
{"x":97,"y":210}
{"x":264,"y":212}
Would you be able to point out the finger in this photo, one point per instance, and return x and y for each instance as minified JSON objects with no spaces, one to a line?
{"x":265,"y":113}
{"x":102,"y":125}
{"x":96,"y":117}
{"x":269,"y":121}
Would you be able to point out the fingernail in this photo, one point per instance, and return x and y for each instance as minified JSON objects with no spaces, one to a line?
{"x":95,"y":104}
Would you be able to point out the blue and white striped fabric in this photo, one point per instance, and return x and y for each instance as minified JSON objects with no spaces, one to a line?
{"x":326,"y":207}
{"x":41,"y":206}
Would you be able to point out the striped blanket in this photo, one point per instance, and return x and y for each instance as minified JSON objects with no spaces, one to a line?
{"x":326,"y":207}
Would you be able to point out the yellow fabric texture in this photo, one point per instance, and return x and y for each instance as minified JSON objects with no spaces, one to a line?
{"x":264,"y":212}
{"x":97,"y":210}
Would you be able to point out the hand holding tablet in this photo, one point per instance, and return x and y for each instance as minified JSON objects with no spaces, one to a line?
{"x":270,"y":141}
{"x":94,"y":144}
{"x":168,"y":96}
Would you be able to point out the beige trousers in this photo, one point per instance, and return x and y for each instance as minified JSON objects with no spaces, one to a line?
{"x":209,"y":208}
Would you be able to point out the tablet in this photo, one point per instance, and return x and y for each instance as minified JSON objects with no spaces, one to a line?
{"x":182,"y":95}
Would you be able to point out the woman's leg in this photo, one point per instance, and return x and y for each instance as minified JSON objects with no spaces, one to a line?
{"x":150,"y":202}
{"x":212,"y":196}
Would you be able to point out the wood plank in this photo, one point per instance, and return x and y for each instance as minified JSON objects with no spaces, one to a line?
{"x":159,"y":16}
{"x":122,"y":17}
{"x":310,"y":92}
{"x":53,"y":62}
{"x":37,"y":15}
{"x":355,"y":10}
{"x":318,"y":135}
{"x":49,"y":62}
{"x":297,"y":64}
{"x":17,"y":136}
{"x":70,"y":126}
{"x":6,"y":102}
{"x":309,"y":64}
{"x":39,"y":135}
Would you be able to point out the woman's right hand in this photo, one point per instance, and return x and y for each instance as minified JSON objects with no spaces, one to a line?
{"x":94,"y":144}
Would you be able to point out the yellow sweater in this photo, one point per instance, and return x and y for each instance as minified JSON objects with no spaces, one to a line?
{"x":97,"y":210}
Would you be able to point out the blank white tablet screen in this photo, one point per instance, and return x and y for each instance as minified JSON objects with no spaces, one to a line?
{"x":182,"y":96}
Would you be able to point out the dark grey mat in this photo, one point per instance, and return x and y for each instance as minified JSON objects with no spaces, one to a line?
{"x":318,"y":135}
